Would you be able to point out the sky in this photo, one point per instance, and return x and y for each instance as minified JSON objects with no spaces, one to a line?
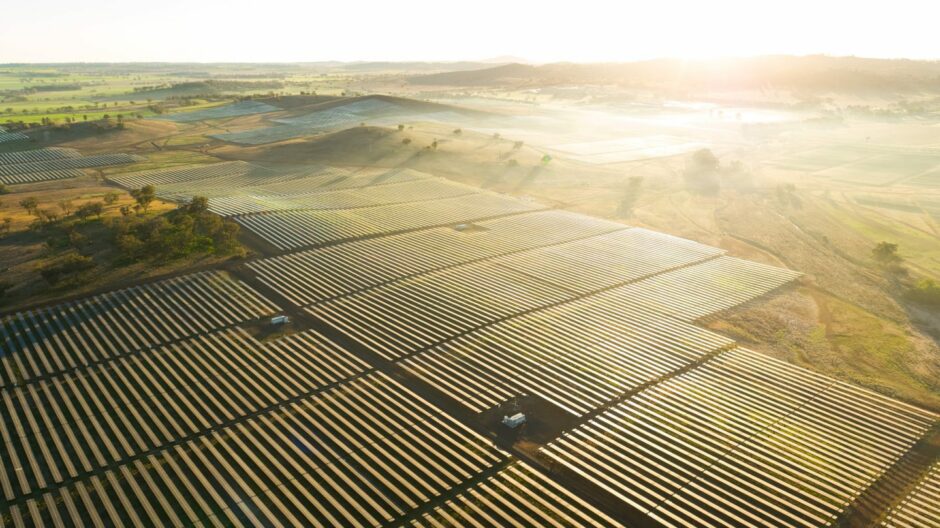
{"x":447,"y":30}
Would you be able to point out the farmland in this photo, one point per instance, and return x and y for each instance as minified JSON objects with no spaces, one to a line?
{"x":402,"y":287}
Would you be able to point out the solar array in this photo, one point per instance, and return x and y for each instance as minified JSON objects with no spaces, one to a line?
{"x":297,"y":229}
{"x":164,"y":404}
{"x":240,"y":108}
{"x":742,"y":440}
{"x":315,"y":275}
{"x":40,"y":343}
{"x":40,"y":154}
{"x":515,"y":496}
{"x":8,"y":137}
{"x":921,"y":507}
{"x":579,"y":356}
{"x":708,"y":288}
{"x":237,"y":188}
{"x":371,"y":111}
{"x":367,"y":196}
{"x":59,"y":168}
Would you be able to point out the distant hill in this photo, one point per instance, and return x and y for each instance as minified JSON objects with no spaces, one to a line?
{"x":812,"y":73}
{"x":376,"y":67}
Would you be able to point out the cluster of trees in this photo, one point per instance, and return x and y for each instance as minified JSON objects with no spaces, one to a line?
{"x":705,"y":174}
{"x":187,"y":230}
{"x":701,"y":172}
{"x":47,"y":217}
{"x":132,"y":236}
{"x":787,"y":197}
{"x":630,"y":196}
{"x":924,"y":291}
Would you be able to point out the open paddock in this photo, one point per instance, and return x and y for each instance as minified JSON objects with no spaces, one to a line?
{"x":627,"y":149}
{"x":884,"y":169}
{"x":821,"y":158}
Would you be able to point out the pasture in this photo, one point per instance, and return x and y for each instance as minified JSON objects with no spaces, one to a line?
{"x":627,"y":149}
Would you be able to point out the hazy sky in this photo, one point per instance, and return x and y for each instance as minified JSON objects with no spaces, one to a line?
{"x":586,"y":30}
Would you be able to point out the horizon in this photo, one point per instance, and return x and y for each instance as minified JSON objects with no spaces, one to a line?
{"x":492,"y":61}
{"x":286,"y":31}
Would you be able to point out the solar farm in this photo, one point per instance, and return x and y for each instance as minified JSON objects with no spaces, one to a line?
{"x":364,"y":110}
{"x":420,"y":312}
{"x":9,"y":137}
{"x":241,"y":108}
{"x":53,"y":163}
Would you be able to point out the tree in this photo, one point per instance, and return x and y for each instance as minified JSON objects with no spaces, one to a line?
{"x":401,"y":127}
{"x":7,"y":224}
{"x":701,"y":172}
{"x":926,"y":291}
{"x":144,"y":196}
{"x":66,"y":206}
{"x":705,"y":159}
{"x":630,"y":196}
{"x":31,"y":204}
{"x":110,"y":197}
{"x":198,"y":204}
{"x":96,"y":208}
{"x":886,"y":253}
{"x":3,"y":189}
{"x":89,"y":209}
